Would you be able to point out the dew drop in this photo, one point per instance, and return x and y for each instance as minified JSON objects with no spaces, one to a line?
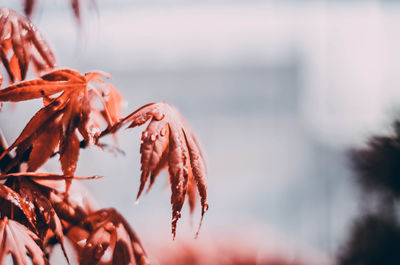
{"x":163,"y":132}
{"x":140,"y":120}
{"x":153,"y":137}
{"x":176,"y":217}
{"x":81,"y":243}
{"x":109,"y":227}
{"x":158,"y":115}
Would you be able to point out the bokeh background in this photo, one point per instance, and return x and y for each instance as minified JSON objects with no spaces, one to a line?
{"x":277,"y":92}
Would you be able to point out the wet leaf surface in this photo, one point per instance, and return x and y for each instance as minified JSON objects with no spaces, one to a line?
{"x":169,"y":142}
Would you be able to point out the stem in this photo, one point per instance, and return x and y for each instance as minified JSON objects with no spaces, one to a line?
{"x":45,"y":176}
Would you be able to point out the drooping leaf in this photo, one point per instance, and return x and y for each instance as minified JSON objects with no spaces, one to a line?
{"x":19,"y":242}
{"x":191,"y":193}
{"x":69,"y":153}
{"x":21,"y":41}
{"x":169,"y":142}
{"x":106,"y":230}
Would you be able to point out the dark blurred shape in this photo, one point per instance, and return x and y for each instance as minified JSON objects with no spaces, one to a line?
{"x":375,"y":236}
{"x":374,"y":240}
{"x":377,"y":167}
{"x":28,"y":7}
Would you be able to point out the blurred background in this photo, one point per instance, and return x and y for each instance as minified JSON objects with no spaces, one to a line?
{"x":277,"y":92}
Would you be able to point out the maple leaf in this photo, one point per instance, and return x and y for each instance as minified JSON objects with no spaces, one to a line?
{"x":107,"y":231}
{"x":19,"y":242}
{"x":21,"y":43}
{"x":169,"y":142}
{"x":33,"y":200}
{"x":64,"y":115}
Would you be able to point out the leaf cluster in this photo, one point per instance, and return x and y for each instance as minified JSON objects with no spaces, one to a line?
{"x":78,"y":110}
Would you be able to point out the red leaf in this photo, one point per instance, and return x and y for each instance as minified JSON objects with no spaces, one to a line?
{"x":69,"y":153}
{"x":32,"y":192}
{"x":19,"y":242}
{"x":25,"y":39}
{"x":14,"y":67}
{"x":15,"y":199}
{"x":109,"y":231}
{"x":169,"y":141}
{"x":44,"y":146}
{"x":56,"y":124}
{"x":49,"y":84}
{"x":37,"y":124}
